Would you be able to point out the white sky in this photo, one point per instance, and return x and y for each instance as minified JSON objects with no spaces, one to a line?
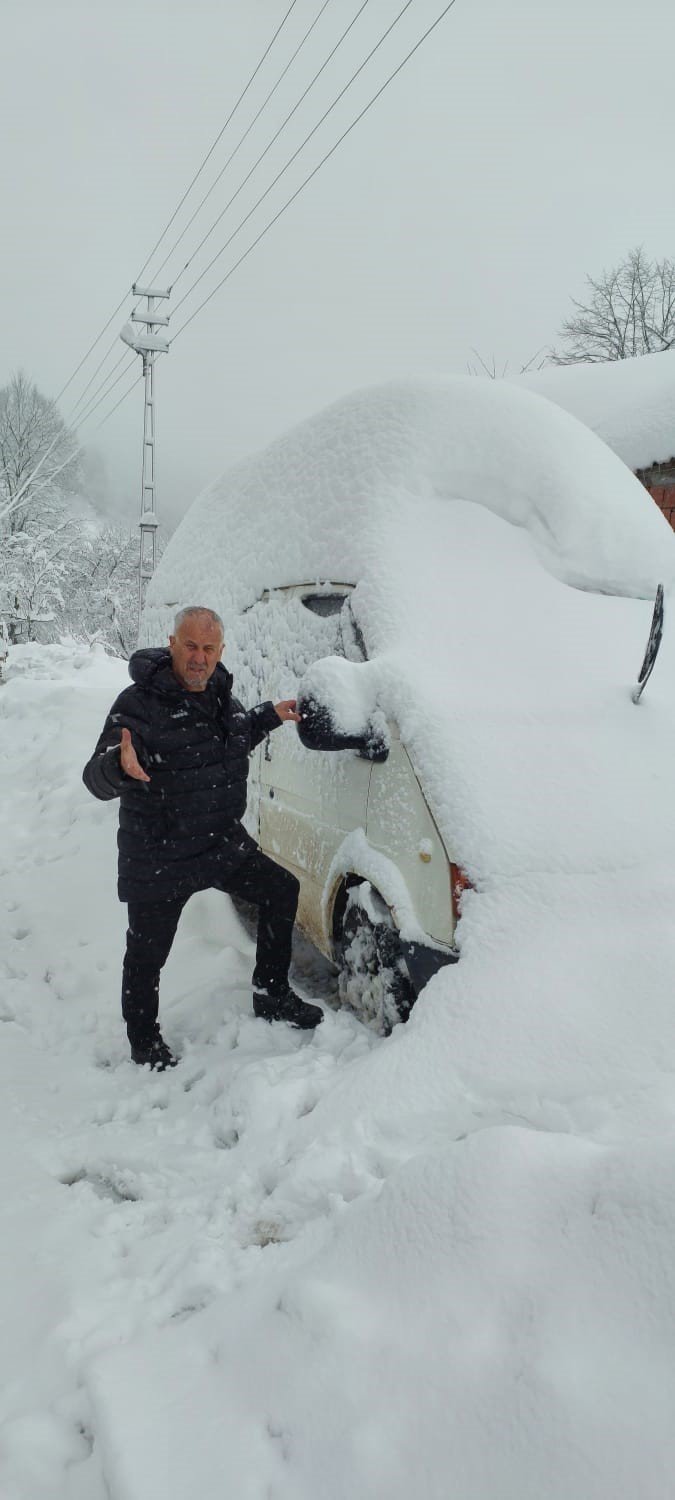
{"x":524,"y":146}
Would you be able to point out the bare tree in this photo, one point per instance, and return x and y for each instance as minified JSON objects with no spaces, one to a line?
{"x":629,"y":310}
{"x":32,"y":433}
{"x":491,"y":369}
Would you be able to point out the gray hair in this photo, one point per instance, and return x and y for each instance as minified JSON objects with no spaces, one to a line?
{"x":197,"y":609}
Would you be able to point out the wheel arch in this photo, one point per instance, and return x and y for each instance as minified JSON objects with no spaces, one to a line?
{"x":338,"y":903}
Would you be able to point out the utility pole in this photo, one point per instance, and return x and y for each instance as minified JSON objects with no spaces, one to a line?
{"x":148,"y":344}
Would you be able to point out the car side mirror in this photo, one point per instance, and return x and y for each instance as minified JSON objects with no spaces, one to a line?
{"x":318,"y":731}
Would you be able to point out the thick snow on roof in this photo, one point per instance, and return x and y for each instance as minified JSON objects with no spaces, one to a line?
{"x":629,"y":403}
{"x":320,"y":501}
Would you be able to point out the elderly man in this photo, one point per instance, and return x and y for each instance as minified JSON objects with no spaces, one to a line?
{"x":174,"y":749}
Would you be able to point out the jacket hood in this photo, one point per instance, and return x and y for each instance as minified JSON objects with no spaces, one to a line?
{"x":151,"y":668}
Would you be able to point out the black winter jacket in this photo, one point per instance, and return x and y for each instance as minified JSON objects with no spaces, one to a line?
{"x":180,"y":831}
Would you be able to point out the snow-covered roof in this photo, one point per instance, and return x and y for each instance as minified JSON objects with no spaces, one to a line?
{"x":629,"y":403}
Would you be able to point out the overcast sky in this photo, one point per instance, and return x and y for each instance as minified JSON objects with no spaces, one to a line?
{"x":525,"y":144}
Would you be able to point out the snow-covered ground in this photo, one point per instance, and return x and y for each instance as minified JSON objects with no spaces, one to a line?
{"x":128,"y":1200}
{"x":310,"y":1267}
{"x":338,"y":1265}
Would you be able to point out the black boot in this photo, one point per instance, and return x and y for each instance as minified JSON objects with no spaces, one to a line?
{"x":155,"y":1053}
{"x":278,"y":1002}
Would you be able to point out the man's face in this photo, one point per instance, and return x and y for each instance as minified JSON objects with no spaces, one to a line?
{"x":196,"y":649}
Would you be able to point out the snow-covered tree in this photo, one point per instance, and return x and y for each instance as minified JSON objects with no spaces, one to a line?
{"x":71,"y":580}
{"x":34,"y":441}
{"x":63,"y":571}
{"x":34,"y":567}
{"x":629,"y":310}
{"x":102,"y":599}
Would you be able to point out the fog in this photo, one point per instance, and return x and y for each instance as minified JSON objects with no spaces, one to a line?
{"x":521,"y":148}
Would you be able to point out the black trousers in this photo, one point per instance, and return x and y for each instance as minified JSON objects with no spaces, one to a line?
{"x":152,"y":928}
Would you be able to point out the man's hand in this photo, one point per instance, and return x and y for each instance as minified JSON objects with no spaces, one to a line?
{"x":286,"y":710}
{"x":129,"y":759}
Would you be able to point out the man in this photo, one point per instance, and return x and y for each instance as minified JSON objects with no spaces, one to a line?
{"x":174,"y":749}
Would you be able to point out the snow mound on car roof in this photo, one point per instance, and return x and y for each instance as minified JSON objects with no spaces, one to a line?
{"x":317,"y":502}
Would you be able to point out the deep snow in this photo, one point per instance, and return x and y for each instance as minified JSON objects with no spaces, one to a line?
{"x":128,"y":1199}
{"x":438,"y":1263}
{"x":312,"y":1267}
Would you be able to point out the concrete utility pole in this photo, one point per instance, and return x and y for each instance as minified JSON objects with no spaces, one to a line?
{"x":148,"y":345}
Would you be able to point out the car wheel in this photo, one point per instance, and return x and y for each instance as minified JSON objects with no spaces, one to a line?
{"x":373,"y":980}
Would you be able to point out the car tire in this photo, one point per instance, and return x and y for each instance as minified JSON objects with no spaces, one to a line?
{"x":373,"y":979}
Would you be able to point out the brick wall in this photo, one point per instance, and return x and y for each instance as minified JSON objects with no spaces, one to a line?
{"x":659,"y":479}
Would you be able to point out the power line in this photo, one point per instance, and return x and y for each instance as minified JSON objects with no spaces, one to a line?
{"x":92,"y":408}
{"x":313,"y":173}
{"x":300,"y":148}
{"x":104,"y":387}
{"x":128,"y":391}
{"x":197,"y":174}
{"x":71,"y":414}
{"x":268,"y":147}
{"x":85,"y":357}
{"x":74,"y":418}
{"x":221,"y":133}
{"x":107,"y":384}
{"x":240,"y":143}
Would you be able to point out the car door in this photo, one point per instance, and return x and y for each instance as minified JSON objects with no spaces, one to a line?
{"x":400,"y":825}
{"x":309,"y":800}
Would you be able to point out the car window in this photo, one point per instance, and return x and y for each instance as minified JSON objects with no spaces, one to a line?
{"x":349,"y":640}
{"x":324,"y":604}
{"x":271,"y":645}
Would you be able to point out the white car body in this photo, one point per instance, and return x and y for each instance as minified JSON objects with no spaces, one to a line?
{"x":334,"y":817}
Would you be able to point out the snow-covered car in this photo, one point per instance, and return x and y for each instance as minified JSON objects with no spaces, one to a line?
{"x":379,"y":891}
{"x":456,"y":578}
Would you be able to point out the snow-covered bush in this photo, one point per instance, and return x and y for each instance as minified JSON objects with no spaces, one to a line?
{"x":68,"y":578}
